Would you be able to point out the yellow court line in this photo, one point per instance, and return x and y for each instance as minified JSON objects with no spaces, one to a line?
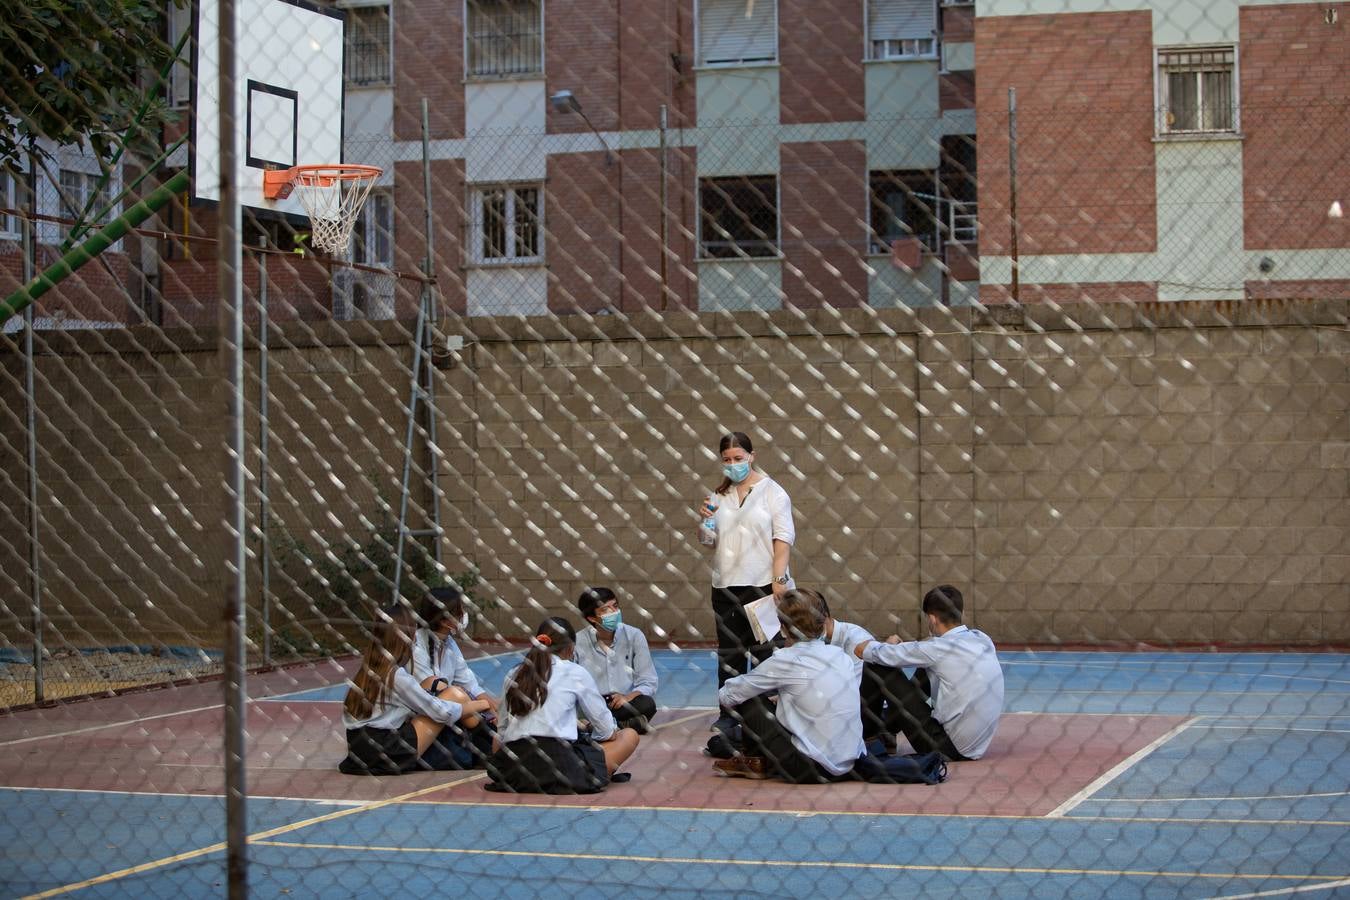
{"x":881,"y":814}
{"x":285,"y":829}
{"x":795,"y":863}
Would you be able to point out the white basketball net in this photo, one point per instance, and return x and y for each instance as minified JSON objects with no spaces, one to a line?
{"x":333,"y":197}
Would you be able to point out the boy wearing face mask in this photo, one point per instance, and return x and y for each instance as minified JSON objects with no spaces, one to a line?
{"x":437,"y":663}
{"x":617,"y":657}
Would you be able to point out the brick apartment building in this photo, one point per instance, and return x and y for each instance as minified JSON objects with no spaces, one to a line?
{"x":1165,"y":154}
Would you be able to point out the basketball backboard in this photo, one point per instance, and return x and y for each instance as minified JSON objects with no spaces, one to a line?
{"x":288,"y":105}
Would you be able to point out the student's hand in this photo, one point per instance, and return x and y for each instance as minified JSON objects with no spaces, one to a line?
{"x":618,"y":701}
{"x":858,"y":650}
{"x":893,"y":639}
{"x":490,"y":701}
{"x":481,"y":705}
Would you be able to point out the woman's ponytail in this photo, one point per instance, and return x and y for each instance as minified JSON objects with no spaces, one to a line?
{"x":529,"y":686}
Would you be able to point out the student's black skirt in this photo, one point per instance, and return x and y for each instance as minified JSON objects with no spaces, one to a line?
{"x":548,"y":766}
{"x":380,"y":751}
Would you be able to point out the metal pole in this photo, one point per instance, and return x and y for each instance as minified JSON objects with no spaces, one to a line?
{"x":1012,"y":191}
{"x":665,"y":225}
{"x":30,"y":401}
{"x":230,"y":287}
{"x":264,"y":498}
{"x":432,"y":314}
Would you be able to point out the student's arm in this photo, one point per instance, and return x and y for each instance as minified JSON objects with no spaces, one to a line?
{"x":593,"y":707}
{"x":412,"y":695}
{"x":422,"y":666}
{"x":765,"y":677}
{"x":644,"y":669}
{"x":463,"y":675}
{"x":906,"y":653}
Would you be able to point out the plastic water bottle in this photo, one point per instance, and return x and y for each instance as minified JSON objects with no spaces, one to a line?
{"x":707,"y":529}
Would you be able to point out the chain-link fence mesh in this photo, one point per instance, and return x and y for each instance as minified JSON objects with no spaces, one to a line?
{"x":1050,"y":304}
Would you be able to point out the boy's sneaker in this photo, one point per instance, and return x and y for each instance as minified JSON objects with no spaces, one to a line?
{"x":742,"y":767}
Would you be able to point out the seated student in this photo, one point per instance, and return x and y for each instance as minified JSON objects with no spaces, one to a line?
{"x":618,"y":659}
{"x":874,"y":679}
{"x":962,"y":666}
{"x":814,"y":733}
{"x":437,"y":662}
{"x":391,"y":720}
{"x":541,"y":751}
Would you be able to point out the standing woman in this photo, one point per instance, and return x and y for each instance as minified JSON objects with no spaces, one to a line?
{"x":391,"y":720}
{"x":750,"y":559}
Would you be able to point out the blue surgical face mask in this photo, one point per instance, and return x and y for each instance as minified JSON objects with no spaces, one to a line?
{"x":737,"y":472}
{"x":612,"y":621}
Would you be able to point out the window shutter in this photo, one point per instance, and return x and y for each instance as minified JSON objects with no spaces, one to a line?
{"x":894,"y":20}
{"x":737,"y":31}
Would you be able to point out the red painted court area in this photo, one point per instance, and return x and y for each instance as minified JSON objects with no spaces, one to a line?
{"x":169,"y":742}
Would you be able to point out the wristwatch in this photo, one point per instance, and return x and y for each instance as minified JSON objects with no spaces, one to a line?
{"x":781,"y":579}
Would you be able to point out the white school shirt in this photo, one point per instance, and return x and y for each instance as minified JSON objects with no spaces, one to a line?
{"x":847,"y":636}
{"x":409,"y":699}
{"x":442,"y":658}
{"x":966,"y":678}
{"x":626,"y":665}
{"x":817,"y":700}
{"x":570,"y":689}
{"x":745,"y":534}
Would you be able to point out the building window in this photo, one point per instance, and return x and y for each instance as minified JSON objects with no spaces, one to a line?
{"x":1197,"y":90}
{"x":367,"y":58}
{"x":177,"y":23}
{"x":506,"y":224}
{"x":737,"y":32}
{"x":9,"y":199}
{"x":738,"y":217}
{"x":373,"y":235}
{"x":504,"y":37}
{"x":76,"y":190}
{"x":904,"y":205}
{"x":902,"y":29}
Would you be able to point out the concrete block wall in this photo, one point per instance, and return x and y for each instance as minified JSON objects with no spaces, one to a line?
{"x":1161,"y":473}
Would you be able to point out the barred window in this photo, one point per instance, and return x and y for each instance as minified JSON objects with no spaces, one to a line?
{"x":505,"y":37}
{"x":738,"y":217}
{"x":1196,"y":90}
{"x":902,"y":29}
{"x":76,"y":189}
{"x":176,"y":23}
{"x":367,"y":57}
{"x":904,"y":204}
{"x":9,"y":199}
{"x":373,"y":235}
{"x":505,"y":224}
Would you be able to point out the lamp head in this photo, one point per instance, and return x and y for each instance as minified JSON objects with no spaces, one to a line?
{"x":564,"y":102}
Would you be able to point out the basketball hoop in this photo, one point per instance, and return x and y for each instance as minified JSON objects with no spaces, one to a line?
{"x":332,"y":194}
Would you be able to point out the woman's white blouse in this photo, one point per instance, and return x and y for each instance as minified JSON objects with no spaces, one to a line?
{"x":745,"y":534}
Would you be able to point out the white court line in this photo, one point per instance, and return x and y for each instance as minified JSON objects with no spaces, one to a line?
{"x":1281,"y":892}
{"x":1216,"y":799}
{"x":1181,"y":671}
{"x":74,"y":731}
{"x":1275,"y":728}
{"x":51,"y":790}
{"x":1115,"y":772}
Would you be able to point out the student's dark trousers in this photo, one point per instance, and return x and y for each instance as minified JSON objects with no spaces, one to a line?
{"x":736,"y":644}
{"x":907,"y":710}
{"x":765,"y":736}
{"x":641,"y":705}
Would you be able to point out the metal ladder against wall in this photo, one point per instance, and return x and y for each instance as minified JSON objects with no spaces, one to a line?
{"x":421,"y":397}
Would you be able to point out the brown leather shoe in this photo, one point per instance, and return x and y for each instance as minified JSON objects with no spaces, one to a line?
{"x":742,"y":767}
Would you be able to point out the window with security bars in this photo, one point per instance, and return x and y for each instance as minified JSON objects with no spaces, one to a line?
{"x":367,"y":59}
{"x":504,"y":38}
{"x":177,"y":22}
{"x":904,"y":204}
{"x":76,"y":190}
{"x":373,"y":234}
{"x":505,"y":226}
{"x":902,"y":29}
{"x":10,"y":195}
{"x":737,"y":32}
{"x":1197,"y":90}
{"x":738,"y":217}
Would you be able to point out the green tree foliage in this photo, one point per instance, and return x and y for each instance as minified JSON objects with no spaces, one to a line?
{"x":76,"y":70}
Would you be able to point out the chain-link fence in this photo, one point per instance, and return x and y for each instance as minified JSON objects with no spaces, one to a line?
{"x":1050,"y":306}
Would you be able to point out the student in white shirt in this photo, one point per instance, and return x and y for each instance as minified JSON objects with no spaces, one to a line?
{"x":618,"y":659}
{"x":391,"y":720}
{"x":755,"y":533}
{"x":437,"y":662}
{"x":874,"y":679}
{"x":963,"y":669}
{"x":542,"y":751}
{"x":814,"y":732}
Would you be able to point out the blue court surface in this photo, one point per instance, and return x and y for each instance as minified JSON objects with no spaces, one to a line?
{"x":1114,"y":775}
